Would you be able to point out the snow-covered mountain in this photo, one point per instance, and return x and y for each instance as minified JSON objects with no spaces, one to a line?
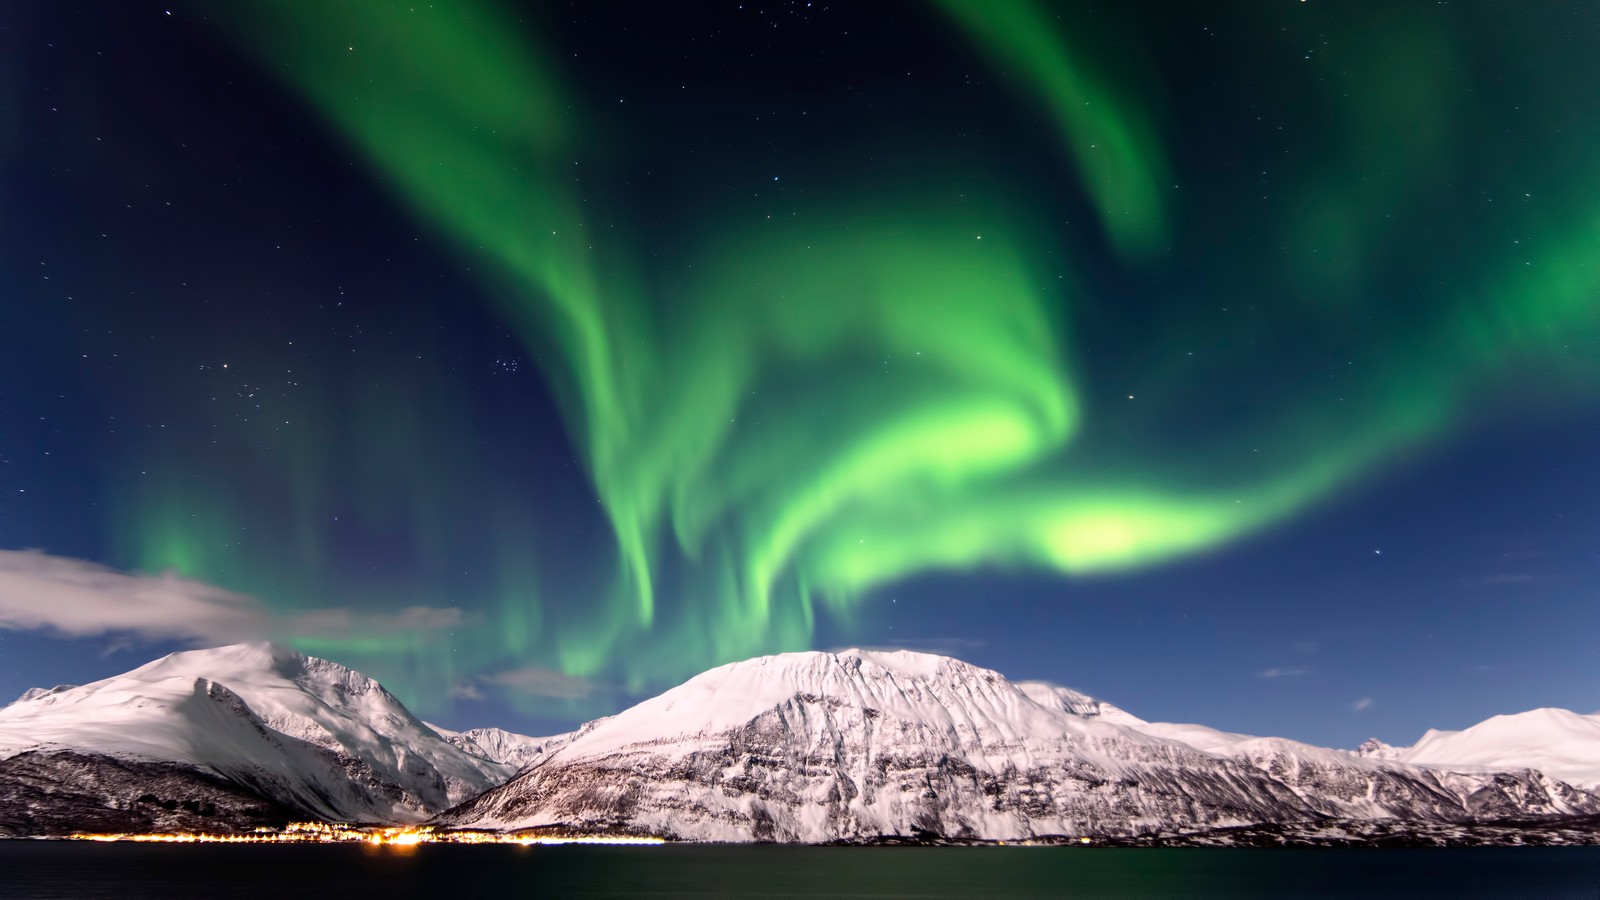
{"x":1376,"y":749}
{"x":1066,"y":699}
{"x":858,"y":745}
{"x":1558,"y":742}
{"x":308,"y":735}
{"x":35,"y":693}
{"x":508,"y":748}
{"x":1345,"y":785}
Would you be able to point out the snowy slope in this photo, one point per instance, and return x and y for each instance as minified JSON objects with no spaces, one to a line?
{"x":304,"y":732}
{"x":508,"y":748}
{"x":1079,"y":704}
{"x":1561,"y":743}
{"x":1376,"y":749}
{"x":1349,"y":785}
{"x":860,"y":744}
{"x":798,"y":747}
{"x":35,"y":693}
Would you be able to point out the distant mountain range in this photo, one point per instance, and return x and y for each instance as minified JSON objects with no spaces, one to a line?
{"x":1558,"y":742}
{"x":801,"y":747}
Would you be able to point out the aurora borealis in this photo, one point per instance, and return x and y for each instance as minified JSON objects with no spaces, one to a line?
{"x":621,"y":345}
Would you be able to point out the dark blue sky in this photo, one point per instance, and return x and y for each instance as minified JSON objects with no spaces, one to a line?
{"x":237,"y":348}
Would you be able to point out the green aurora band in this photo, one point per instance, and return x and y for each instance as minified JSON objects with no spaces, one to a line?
{"x":886,"y":385}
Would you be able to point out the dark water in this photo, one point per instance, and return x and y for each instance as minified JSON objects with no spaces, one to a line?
{"x":57,"y":869}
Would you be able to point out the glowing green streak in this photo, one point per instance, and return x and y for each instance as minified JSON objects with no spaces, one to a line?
{"x":966,"y":383}
{"x":481,"y":161}
{"x":434,"y":101}
{"x":1114,"y":148}
{"x":878,"y":389}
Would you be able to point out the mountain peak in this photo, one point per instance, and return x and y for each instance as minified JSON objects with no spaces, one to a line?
{"x":261,"y":655}
{"x":854,"y":744}
{"x":1054,"y":696}
{"x":910,"y":663}
{"x":937,"y":691}
{"x":857,"y":744}
{"x":35,"y":693}
{"x":1372,"y":748}
{"x":258,"y":660}
{"x":311,"y":734}
{"x":1558,"y":742}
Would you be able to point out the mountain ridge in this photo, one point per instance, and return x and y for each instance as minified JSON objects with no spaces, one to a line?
{"x":856,"y":745}
{"x":305,"y":733}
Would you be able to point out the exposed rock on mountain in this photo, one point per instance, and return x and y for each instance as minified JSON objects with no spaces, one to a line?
{"x":1373,"y":748}
{"x":1339,"y":784}
{"x":854,"y":746}
{"x":35,"y":693}
{"x":65,"y":792}
{"x":859,"y":745}
{"x":304,"y":734}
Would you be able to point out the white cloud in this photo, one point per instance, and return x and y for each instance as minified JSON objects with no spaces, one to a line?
{"x":75,"y":598}
{"x":538,"y":682}
{"x":465,"y":690}
{"x":528,"y":681}
{"x":1283,"y":672}
{"x":1361,"y":704}
{"x":343,"y":623}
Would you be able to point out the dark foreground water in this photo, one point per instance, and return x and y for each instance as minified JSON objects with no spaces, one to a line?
{"x":59,"y":869}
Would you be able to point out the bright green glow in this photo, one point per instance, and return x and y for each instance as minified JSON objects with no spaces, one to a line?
{"x":481,"y":162}
{"x":962,"y":384}
{"x":883,"y":385}
{"x":179,"y":531}
{"x":1114,"y":148}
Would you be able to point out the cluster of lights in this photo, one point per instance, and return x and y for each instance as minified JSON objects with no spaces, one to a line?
{"x":325,"y":833}
{"x":404,"y":837}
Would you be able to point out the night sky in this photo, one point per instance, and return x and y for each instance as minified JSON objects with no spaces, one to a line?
{"x":1237,"y":363}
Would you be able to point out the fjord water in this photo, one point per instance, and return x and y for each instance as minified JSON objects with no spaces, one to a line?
{"x":79,"y":870}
